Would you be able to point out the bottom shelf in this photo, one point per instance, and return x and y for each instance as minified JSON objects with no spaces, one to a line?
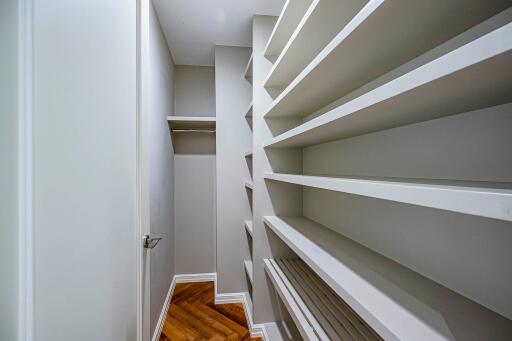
{"x":396,"y":302}
{"x":316,"y":310}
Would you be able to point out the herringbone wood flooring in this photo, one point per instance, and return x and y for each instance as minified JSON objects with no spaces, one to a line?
{"x":194,"y":316}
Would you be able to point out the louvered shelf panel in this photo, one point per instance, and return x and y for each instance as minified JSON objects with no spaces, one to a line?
{"x":399,"y":304}
{"x":468,"y":78}
{"x":317,"y":311}
{"x":292,"y":13}
{"x":381,"y":37}
{"x":456,"y":196}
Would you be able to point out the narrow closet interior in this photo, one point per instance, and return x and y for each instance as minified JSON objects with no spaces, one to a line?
{"x":348,"y":177}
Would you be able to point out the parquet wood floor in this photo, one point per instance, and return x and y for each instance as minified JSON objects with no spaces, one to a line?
{"x":194,"y":316}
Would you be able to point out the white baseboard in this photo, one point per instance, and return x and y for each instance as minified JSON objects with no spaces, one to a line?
{"x":163,"y":313}
{"x":191,"y":278}
{"x":256,"y":330}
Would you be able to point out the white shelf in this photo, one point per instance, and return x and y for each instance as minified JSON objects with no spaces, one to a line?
{"x":248,"y":71}
{"x":289,"y":19}
{"x":249,"y":184}
{"x":191,"y":122}
{"x":456,"y":196}
{"x":468,"y":78}
{"x":248,"y":113}
{"x":248,"y":226}
{"x":248,"y":154}
{"x":320,"y":23}
{"x":317,"y":311}
{"x":248,"y":269}
{"x":399,"y":304}
{"x":374,"y":43}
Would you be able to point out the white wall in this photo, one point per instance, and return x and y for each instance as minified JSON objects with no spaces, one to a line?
{"x":194,"y":177}
{"x":234,"y":138}
{"x":85,"y":170}
{"x":161,"y":166}
{"x":8,"y":169}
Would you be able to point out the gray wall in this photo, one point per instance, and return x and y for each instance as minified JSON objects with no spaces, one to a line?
{"x":234,"y":138}
{"x":85,"y":170}
{"x":161,"y":166}
{"x":195,"y":90}
{"x":194,"y":177}
{"x":8,"y":169}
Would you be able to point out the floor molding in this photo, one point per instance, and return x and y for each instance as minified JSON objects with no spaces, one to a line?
{"x":191,"y":278}
{"x":256,"y":330}
{"x":163,"y":313}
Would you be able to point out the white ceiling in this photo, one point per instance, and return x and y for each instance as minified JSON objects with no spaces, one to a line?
{"x":193,"y":27}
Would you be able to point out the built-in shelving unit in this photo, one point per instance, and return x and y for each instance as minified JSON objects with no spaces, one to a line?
{"x":195,"y":123}
{"x":292,"y":13}
{"x":433,"y":90}
{"x":388,"y":296}
{"x":248,"y":269}
{"x":316,"y":310}
{"x":248,"y":71}
{"x":321,"y":21}
{"x":382,"y":22}
{"x":473,"y":198}
{"x":369,"y":218}
{"x":248,"y":224}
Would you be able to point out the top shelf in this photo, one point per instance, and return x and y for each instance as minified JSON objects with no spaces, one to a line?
{"x":383,"y":35}
{"x":468,"y":78}
{"x":319,"y":24}
{"x":289,"y":19}
{"x":191,"y":122}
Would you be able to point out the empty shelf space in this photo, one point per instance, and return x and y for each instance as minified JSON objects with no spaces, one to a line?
{"x":373,"y":44}
{"x":320,"y":23}
{"x":468,"y":78}
{"x":248,"y":269}
{"x":248,"y":227}
{"x":456,"y":196}
{"x":317,"y":311}
{"x":248,"y":184}
{"x":248,"y":71}
{"x":191,"y":122}
{"x":398,"y":303}
{"x":290,"y":16}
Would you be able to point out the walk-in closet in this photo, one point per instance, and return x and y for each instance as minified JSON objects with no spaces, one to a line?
{"x":258,"y":170}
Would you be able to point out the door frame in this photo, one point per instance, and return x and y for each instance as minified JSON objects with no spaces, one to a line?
{"x":25,"y":172}
{"x":142,"y":185}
